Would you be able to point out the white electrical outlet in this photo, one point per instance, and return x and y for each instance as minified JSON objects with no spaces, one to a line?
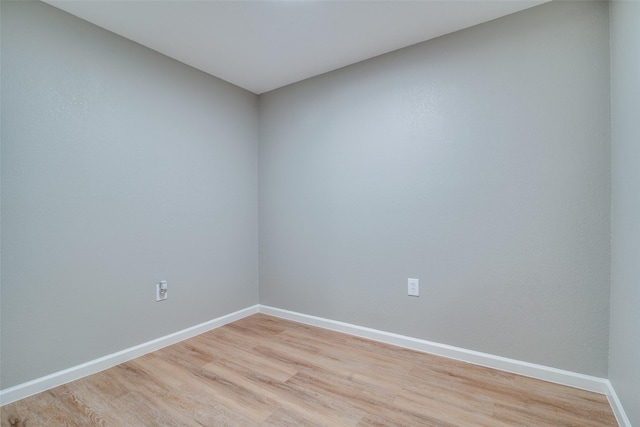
{"x":414,"y":287}
{"x":161,"y":291}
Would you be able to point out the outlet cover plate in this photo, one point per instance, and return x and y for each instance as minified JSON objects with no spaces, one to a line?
{"x":161,"y":296}
{"x":413,"y":287}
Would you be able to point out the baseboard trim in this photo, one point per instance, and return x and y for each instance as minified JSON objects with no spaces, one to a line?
{"x":568,"y":378}
{"x":559,"y":376}
{"x":616,"y":406}
{"x":56,"y":379}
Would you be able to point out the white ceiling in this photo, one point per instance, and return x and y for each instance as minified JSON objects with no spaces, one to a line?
{"x":263,"y":45}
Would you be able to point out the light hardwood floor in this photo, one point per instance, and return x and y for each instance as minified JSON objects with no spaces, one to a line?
{"x":262,"y":370}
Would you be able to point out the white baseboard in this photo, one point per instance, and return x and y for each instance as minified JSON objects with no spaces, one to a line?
{"x":568,"y":378}
{"x":616,"y":406}
{"x":559,"y":376}
{"x":56,"y":379}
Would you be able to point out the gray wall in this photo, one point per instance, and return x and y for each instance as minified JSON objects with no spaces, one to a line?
{"x":479,"y":163}
{"x":624,"y":353}
{"x":120,"y":168}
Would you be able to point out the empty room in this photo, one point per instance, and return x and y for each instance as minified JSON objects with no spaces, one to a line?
{"x":320,"y":213}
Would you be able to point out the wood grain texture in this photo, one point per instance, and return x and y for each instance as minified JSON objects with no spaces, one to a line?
{"x":265,"y":371}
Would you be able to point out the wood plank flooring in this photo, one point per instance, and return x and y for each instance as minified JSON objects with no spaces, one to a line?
{"x":265,"y":371}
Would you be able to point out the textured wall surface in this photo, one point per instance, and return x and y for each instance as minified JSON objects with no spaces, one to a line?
{"x":120,"y":168}
{"x":479,"y":163}
{"x":624,"y":356}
